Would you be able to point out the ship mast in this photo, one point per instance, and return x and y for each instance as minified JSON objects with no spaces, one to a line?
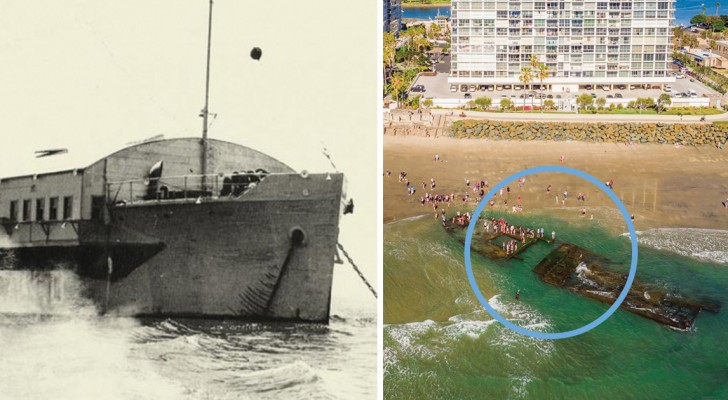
{"x":205,"y":111}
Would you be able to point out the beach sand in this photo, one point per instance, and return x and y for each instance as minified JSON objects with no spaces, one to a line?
{"x":661,"y":185}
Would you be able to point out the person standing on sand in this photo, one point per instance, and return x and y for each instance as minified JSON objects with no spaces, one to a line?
{"x":518,"y":293}
{"x":562,"y":158}
{"x":548,"y":189}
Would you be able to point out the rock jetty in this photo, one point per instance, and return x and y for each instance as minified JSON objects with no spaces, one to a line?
{"x":685,"y":134}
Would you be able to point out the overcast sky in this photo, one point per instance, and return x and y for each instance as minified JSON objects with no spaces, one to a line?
{"x":93,"y":75}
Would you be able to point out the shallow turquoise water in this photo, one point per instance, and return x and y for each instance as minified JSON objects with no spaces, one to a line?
{"x":440,"y":343}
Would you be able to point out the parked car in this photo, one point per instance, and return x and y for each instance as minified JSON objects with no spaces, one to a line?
{"x":418,"y":88}
{"x":490,"y":87}
{"x":482,"y":88}
{"x":549,"y":96}
{"x":588,"y":87}
{"x":667,"y":88}
{"x":506,"y":87}
{"x":618,"y":95}
{"x":621,"y":87}
{"x":453,"y":88}
{"x":468,"y":96}
{"x":605,"y":88}
{"x":679,"y":76}
{"x":499,"y":87}
{"x":463,"y":88}
{"x":558,"y":96}
{"x":517,"y":87}
{"x":609,"y":96}
{"x":472,"y":88}
{"x":593,"y":95}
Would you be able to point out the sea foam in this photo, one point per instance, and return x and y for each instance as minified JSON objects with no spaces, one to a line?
{"x":703,"y":244}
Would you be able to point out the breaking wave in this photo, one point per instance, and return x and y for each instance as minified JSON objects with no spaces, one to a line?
{"x":703,"y":244}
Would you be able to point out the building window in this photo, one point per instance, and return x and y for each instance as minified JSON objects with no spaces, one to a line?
{"x":67,"y":207}
{"x":97,"y":206}
{"x":40,"y":209}
{"x":13,"y":210}
{"x":53,"y":209}
{"x":26,"y":210}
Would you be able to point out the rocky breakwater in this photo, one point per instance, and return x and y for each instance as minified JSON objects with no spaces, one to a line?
{"x":579,"y":270}
{"x":598,"y":132}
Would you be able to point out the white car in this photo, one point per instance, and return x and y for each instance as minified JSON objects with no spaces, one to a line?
{"x":679,"y":76}
{"x":667,"y":88}
{"x":453,"y":88}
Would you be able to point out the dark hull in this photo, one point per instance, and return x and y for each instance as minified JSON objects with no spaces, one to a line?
{"x":265,"y":255}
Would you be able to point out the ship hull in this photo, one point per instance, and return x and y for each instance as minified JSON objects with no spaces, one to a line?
{"x":267,"y":254}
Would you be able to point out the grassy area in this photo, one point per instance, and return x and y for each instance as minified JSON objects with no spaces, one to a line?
{"x":720,"y":122}
{"x":625,"y":111}
{"x":692,"y":111}
{"x":669,"y":111}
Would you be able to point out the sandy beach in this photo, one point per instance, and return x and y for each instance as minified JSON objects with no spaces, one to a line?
{"x":661,"y":185}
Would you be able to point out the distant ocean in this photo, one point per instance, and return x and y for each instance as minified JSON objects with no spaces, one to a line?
{"x":684,"y":10}
{"x":440,"y":343}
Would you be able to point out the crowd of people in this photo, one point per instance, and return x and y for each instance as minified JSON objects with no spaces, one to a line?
{"x":478,"y":189}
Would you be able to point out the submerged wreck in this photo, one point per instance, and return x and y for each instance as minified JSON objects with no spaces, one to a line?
{"x":577,"y":269}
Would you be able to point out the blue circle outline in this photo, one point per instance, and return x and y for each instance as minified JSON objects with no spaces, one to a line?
{"x":484,"y":301}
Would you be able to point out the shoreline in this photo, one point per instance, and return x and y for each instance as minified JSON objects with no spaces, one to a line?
{"x":663,"y":186}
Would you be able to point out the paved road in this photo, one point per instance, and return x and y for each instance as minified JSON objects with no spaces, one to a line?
{"x":580,"y":117}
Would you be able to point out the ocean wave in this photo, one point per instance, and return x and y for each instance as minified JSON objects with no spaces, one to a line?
{"x":703,"y":244}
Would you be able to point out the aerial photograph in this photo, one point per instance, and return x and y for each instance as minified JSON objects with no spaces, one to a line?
{"x":555,"y":200}
{"x":183,"y":215}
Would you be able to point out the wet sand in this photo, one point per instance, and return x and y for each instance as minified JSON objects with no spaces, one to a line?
{"x":661,"y":185}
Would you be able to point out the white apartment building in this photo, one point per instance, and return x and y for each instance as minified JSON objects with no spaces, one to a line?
{"x":583,"y":42}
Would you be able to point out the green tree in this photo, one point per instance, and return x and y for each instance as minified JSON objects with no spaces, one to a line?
{"x":718,"y":25}
{"x":526,"y":77}
{"x":434,"y":31}
{"x":584,"y":101}
{"x":483,"y":102}
{"x":643,"y":103}
{"x":601,"y":102}
{"x":549,"y":104}
{"x":698,"y":19}
{"x":506,"y":104}
{"x":427,"y":103}
{"x":389,"y":53}
{"x":398,"y":85}
{"x":662,"y":102}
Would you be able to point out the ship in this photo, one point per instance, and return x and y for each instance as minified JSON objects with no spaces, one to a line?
{"x":184,"y":227}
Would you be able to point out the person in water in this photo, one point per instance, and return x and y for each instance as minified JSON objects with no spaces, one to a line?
{"x":518,"y":293}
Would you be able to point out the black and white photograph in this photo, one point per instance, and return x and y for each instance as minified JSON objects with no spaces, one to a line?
{"x":188,"y":197}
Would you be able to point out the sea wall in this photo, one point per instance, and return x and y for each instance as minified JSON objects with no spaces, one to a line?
{"x":686,"y":134}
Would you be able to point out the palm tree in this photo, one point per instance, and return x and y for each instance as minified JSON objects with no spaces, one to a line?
{"x":398,"y":84}
{"x":389,"y":52}
{"x":717,"y":6}
{"x":526,"y":77}
{"x":542,"y":73}
{"x":704,"y":9}
{"x":434,"y":31}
